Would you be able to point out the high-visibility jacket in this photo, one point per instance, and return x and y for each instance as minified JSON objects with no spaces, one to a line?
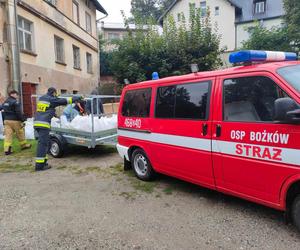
{"x":45,"y":111}
{"x":12,"y":110}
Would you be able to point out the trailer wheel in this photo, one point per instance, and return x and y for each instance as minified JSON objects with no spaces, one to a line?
{"x":295,"y":212}
{"x":142,"y":166}
{"x":56,"y":148}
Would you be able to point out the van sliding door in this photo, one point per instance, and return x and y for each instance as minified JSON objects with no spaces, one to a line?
{"x":181,"y":131}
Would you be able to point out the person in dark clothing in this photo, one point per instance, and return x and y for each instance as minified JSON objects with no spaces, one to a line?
{"x":97,"y":109}
{"x":46,"y":105}
{"x":13,"y":122}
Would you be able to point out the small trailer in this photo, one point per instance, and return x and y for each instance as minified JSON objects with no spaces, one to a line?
{"x":61,"y":137}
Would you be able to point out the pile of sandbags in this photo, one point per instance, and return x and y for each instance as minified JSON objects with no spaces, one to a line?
{"x":84,"y":123}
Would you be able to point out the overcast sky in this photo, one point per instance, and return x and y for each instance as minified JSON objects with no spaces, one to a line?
{"x":113,"y":8}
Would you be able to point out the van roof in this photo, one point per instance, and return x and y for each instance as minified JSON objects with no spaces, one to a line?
{"x":270,"y":67}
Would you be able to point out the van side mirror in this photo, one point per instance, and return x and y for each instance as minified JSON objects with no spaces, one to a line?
{"x":286,"y":111}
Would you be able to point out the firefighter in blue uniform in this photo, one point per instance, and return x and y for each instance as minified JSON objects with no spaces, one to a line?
{"x":46,"y":105}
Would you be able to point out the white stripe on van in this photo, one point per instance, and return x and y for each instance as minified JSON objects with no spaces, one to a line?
{"x":174,"y":140}
{"x":288,"y":155}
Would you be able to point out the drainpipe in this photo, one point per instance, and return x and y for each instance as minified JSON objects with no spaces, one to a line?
{"x":13,"y":47}
{"x":99,"y":48}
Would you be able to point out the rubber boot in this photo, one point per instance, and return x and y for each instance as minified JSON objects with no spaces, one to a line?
{"x":9,"y":152}
{"x":42,"y":167}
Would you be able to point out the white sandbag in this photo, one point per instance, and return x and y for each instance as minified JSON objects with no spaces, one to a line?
{"x":29,"y":130}
{"x":55,"y":122}
{"x":1,"y":126}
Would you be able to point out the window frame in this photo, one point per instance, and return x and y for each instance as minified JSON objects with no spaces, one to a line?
{"x":75,"y":66}
{"x":258,"y":4}
{"x":24,"y":31}
{"x":63,"y":49}
{"x":113,"y":33}
{"x":88,"y":23}
{"x":89,"y":70}
{"x":203,"y":10}
{"x":217,"y":11}
{"x":245,"y":76}
{"x":208,"y":105}
{"x":150,"y":103}
{"x":77,"y":14}
{"x":52,"y":2}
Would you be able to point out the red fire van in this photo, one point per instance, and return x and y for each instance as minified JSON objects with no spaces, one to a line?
{"x":236,"y":130}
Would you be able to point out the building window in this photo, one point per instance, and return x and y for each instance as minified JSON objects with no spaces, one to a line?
{"x":25,"y":32}
{"x":259,"y":7}
{"x":113,"y":36}
{"x":63,"y":91}
{"x":75,"y":92}
{"x":52,"y":2}
{"x":203,"y":8}
{"x":178,"y":17}
{"x":217,"y":11}
{"x":75,"y":12}
{"x":89,"y":63}
{"x":76,"y":57}
{"x":59,"y":49}
{"x":88,"y":22}
{"x":88,"y":4}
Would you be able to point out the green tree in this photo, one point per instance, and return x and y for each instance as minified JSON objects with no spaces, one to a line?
{"x":171,"y":53}
{"x":149,"y":9}
{"x":292,"y":20}
{"x":268,"y":39}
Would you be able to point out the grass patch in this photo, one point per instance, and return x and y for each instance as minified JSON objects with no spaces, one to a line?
{"x":128,"y":195}
{"x":62,"y":168}
{"x":168,"y":190}
{"x":17,"y":152}
{"x":147,"y":187}
{"x":10,"y":168}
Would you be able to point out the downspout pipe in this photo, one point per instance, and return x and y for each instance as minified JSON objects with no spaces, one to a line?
{"x":99,"y":48}
{"x":13,"y":47}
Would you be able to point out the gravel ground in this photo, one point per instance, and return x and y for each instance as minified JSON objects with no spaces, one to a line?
{"x":87,"y":202}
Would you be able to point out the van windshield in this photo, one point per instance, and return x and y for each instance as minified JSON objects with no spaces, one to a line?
{"x":292,"y":75}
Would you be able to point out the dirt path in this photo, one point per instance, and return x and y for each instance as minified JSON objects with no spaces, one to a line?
{"x":88,"y":202}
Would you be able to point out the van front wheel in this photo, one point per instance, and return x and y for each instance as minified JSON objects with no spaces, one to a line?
{"x":296,"y":212}
{"x":142,"y":166}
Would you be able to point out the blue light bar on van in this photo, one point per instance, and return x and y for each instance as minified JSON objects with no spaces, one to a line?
{"x":261,"y":56}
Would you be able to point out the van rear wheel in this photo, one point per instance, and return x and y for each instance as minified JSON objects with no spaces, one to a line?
{"x":142,"y":166}
{"x":295,"y":212}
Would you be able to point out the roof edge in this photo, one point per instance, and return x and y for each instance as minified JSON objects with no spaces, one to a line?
{"x":99,"y":7}
{"x":160,"y":19}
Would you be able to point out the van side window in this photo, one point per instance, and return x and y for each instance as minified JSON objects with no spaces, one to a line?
{"x":184,"y":101}
{"x":165,"y":102}
{"x":250,"y":99}
{"x":137,"y":103}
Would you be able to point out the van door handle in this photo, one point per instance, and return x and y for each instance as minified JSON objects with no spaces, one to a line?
{"x":204,"y":129}
{"x":218,"y":130}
